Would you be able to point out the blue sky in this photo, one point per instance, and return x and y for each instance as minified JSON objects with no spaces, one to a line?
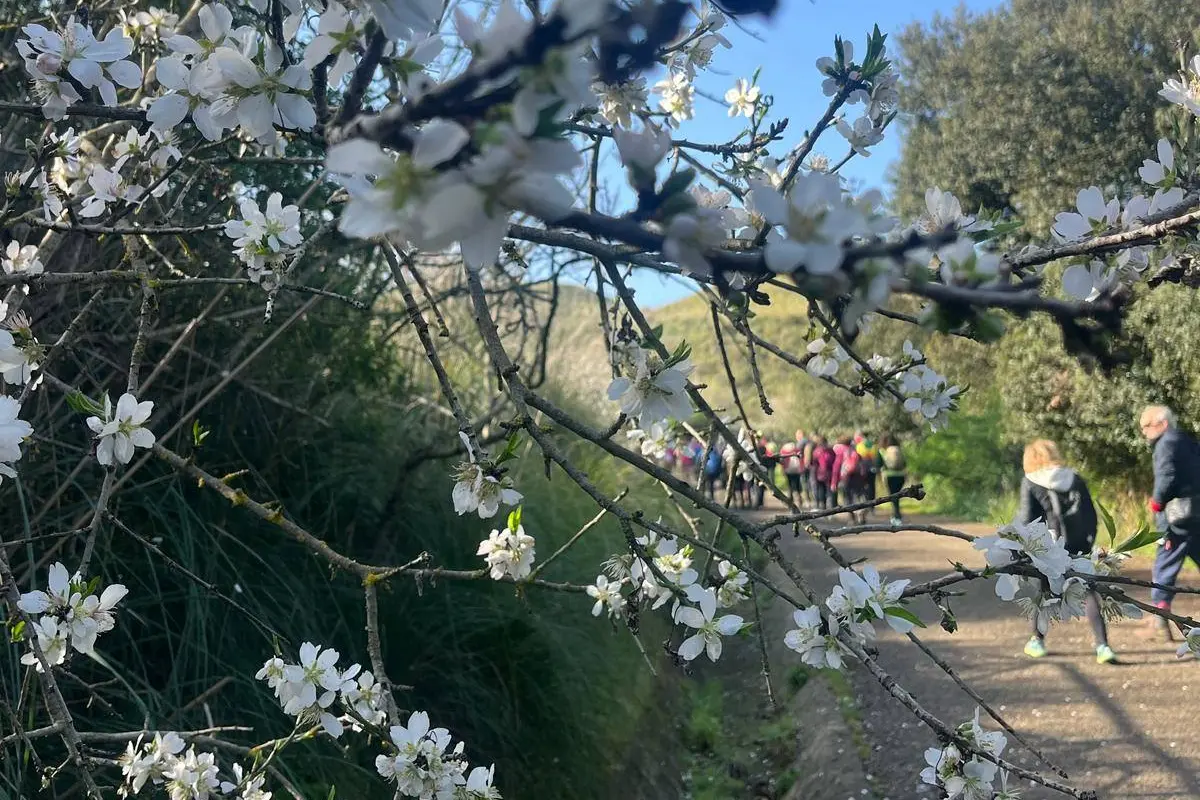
{"x":800,"y":33}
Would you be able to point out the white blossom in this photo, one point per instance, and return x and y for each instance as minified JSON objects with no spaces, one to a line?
{"x":251,"y":788}
{"x":192,"y":776}
{"x":943,"y":210}
{"x":619,"y":103}
{"x":1191,"y":644}
{"x":80,"y":616}
{"x":734,"y":583}
{"x":1087,"y":282}
{"x":13,"y":432}
{"x":642,"y":149}
{"x":830,"y":67}
{"x":816,"y":220}
{"x":1094,"y":215}
{"x":742,"y":98}
{"x":863,"y":134}
{"x":93,"y":63}
{"x":420,"y":765}
{"x":816,"y":648}
{"x":149,"y":761}
{"x":607,"y":595}
{"x":52,"y":637}
{"x":869,"y":592}
{"x":122,"y":429}
{"x":689,"y":235}
{"x":475,"y":490}
{"x":308,"y":689}
{"x":709,"y":629}
{"x":405,"y":19}
{"x":1185,"y":90}
{"x":824,"y":358}
{"x":508,"y":553}
{"x":928,"y":393}
{"x":676,"y":96}
{"x":654,"y":392}
{"x":1156,"y":172}
{"x":338,"y":32}
{"x":1038,"y":542}
{"x":18,"y":259}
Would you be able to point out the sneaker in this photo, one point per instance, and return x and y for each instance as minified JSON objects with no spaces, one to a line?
{"x":1035,"y":648}
{"x":1105,"y":655}
{"x":897,"y":522}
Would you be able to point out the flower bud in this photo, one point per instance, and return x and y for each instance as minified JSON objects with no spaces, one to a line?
{"x":48,"y":63}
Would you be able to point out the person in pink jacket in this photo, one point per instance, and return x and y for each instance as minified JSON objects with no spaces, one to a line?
{"x":837,"y":487}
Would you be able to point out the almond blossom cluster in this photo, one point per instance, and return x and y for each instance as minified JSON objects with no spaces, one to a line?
{"x":966,"y":775}
{"x":50,"y":56}
{"x":852,"y":606}
{"x":508,"y":552}
{"x":66,"y":615}
{"x":307,"y":690}
{"x":423,"y":765}
{"x":265,"y":238}
{"x":1053,"y":597}
{"x":184,"y":775}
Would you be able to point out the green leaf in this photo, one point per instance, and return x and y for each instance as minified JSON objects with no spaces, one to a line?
{"x":903,"y":613}
{"x":82,"y":404}
{"x":1143,"y":537}
{"x":510,"y":448}
{"x":1109,"y":525}
{"x":514,"y":519}
{"x":18,"y":631}
{"x":199,"y":433}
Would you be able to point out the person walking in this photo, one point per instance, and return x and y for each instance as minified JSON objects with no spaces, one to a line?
{"x":895,"y":472}
{"x":1053,"y":492}
{"x":804,"y":452}
{"x":868,"y":468}
{"x":793,"y":469}
{"x":821,"y":473}
{"x":714,"y":466}
{"x":768,"y":456}
{"x":1175,"y":504}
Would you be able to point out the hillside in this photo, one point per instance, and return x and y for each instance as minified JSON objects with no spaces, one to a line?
{"x":797,"y":399}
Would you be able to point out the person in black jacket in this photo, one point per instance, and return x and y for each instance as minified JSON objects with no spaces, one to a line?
{"x":1176,"y":482}
{"x":1053,"y":492}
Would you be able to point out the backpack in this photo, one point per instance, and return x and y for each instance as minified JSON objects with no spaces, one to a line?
{"x":712,"y":466}
{"x":851,"y":463}
{"x":823,"y":463}
{"x":868,"y":458}
{"x":893,"y":459}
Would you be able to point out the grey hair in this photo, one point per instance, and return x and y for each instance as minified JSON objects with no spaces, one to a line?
{"x":1162,"y":414}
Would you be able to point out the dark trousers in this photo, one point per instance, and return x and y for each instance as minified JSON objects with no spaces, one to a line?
{"x":894,"y":484}
{"x":820,"y":493}
{"x":1172,"y":552}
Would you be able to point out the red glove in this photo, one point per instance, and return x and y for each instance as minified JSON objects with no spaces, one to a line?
{"x":1155,"y":506}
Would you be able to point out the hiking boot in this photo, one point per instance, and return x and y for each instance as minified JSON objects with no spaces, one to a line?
{"x":1035,"y":648}
{"x":1105,"y":655}
{"x":1157,"y":629}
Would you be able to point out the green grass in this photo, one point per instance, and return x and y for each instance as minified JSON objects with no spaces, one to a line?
{"x":733,"y":752}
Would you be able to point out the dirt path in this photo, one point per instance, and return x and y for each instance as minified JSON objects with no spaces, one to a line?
{"x":1129,"y":731}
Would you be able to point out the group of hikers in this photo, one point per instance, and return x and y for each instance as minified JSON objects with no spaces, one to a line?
{"x":818,"y":474}
{"x":814,"y":472}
